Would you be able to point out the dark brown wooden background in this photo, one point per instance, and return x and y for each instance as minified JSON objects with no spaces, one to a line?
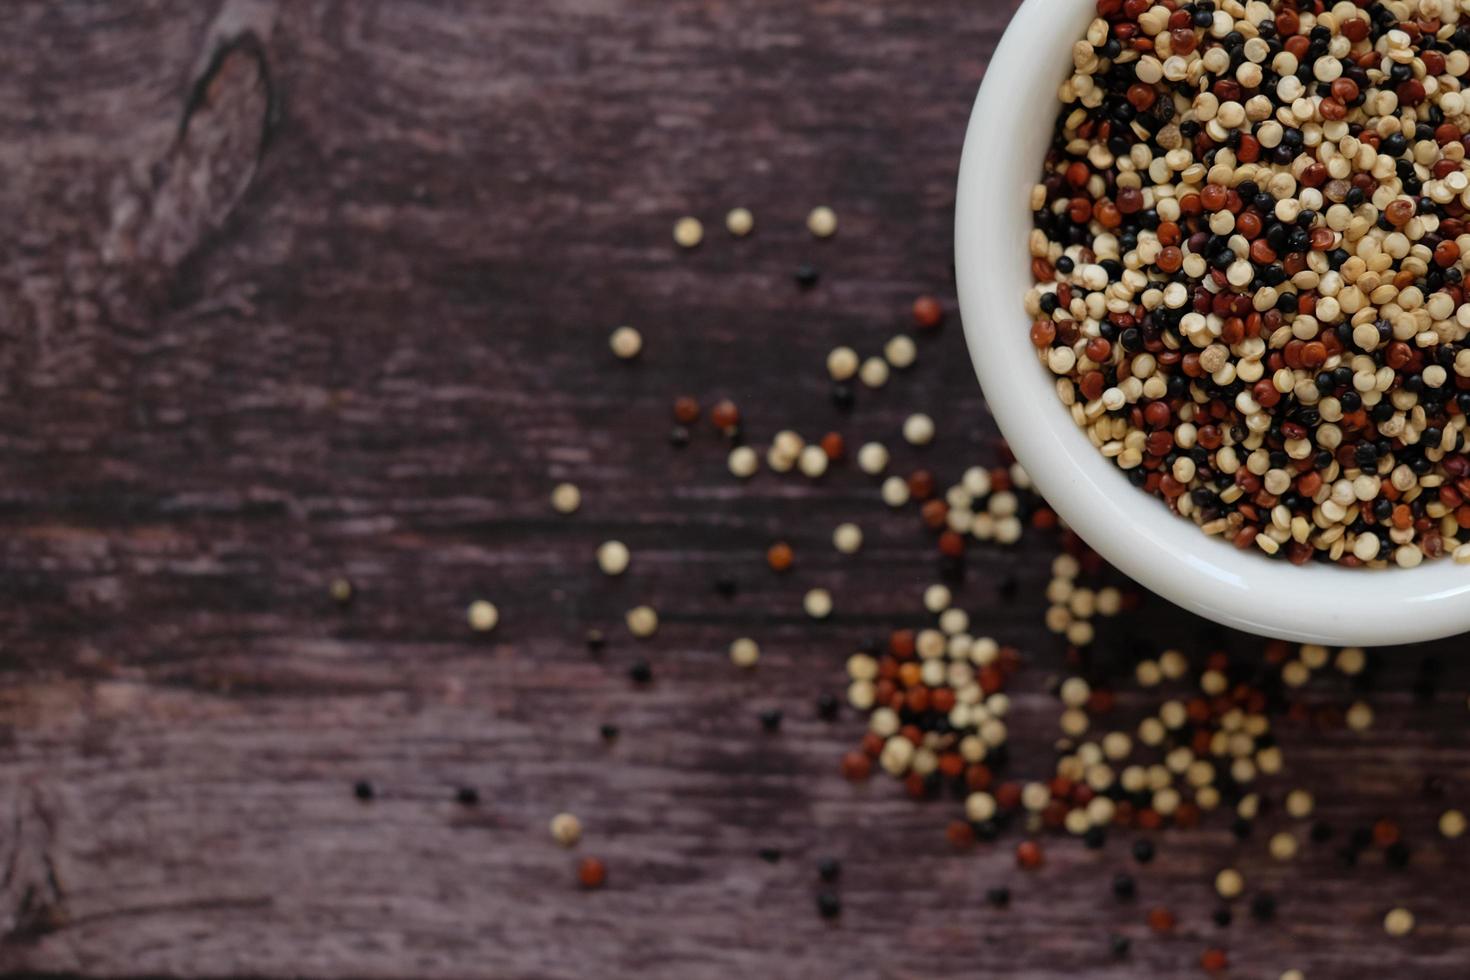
{"x":297,"y":290}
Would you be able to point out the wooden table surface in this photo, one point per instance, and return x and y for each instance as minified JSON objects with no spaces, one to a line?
{"x":298,"y":291}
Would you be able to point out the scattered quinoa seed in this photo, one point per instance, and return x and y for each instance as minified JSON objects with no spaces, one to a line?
{"x":744,"y":652}
{"x":848,"y":538}
{"x":829,"y":906}
{"x":566,"y":829}
{"x":725,"y":415}
{"x":626,"y":343}
{"x":895,"y":491}
{"x":566,"y":498}
{"x":613,"y":557}
{"x":900,"y":351}
{"x":739,"y":222}
{"x":928,"y":313}
{"x":812,"y":461}
{"x":642,"y":621}
{"x":688,"y":232}
{"x":483,"y":616}
{"x":918,"y":430}
{"x":591,"y":872}
{"x":1398,"y":922}
{"x":822,"y":222}
{"x":842,"y":363}
{"x":743,"y":462}
{"x":1283,"y":846}
{"x":872,"y":458}
{"x":817,"y":603}
{"x":873,"y":372}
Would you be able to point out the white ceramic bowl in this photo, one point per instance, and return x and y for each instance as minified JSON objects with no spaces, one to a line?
{"x":1010,"y":130}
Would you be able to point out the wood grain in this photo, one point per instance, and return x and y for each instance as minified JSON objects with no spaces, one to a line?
{"x":293,"y":291}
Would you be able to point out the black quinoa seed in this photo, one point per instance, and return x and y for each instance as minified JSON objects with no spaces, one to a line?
{"x":1143,"y":851}
{"x":467,"y":796}
{"x":828,"y":706}
{"x":363,"y":790}
{"x":829,"y":869}
{"x":829,"y":905}
{"x":770,"y":855}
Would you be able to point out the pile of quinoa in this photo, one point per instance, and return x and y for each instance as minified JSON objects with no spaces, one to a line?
{"x":1249,"y":279}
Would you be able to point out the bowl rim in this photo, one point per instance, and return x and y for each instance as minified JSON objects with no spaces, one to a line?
{"x":1132,"y":530}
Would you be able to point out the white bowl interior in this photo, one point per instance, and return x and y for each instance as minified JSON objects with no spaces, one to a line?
{"x":1010,"y":129}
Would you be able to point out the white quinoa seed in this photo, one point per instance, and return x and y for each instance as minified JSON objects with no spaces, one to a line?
{"x":739,"y":222}
{"x":1359,"y":716}
{"x":937,"y":598}
{"x":1299,"y":803}
{"x":743,"y":462}
{"x":1283,"y":846}
{"x":874,"y":372}
{"x":1398,"y":922}
{"x":1452,"y":824}
{"x":900,"y":351}
{"x":483,"y":616}
{"x":744,"y":652}
{"x":642,"y":621}
{"x":848,"y":538}
{"x":817,"y":603}
{"x":895,"y":491}
{"x":822,"y":222}
{"x":1229,"y":883}
{"x":340,"y":590}
{"x":613,"y":557}
{"x":954,"y":621}
{"x":842,"y":363}
{"x":812,"y":462}
{"x":566,"y":498}
{"x":566,"y":829}
{"x":872,"y":458}
{"x":918,"y":429}
{"x":979,"y":807}
{"x":688,"y":232}
{"x":626,"y":343}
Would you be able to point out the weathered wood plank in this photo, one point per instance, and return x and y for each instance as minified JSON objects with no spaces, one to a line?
{"x":332,"y":300}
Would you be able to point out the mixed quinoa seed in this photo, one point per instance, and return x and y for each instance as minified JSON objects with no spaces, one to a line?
{"x":1249,"y":252}
{"x":1195,"y":738}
